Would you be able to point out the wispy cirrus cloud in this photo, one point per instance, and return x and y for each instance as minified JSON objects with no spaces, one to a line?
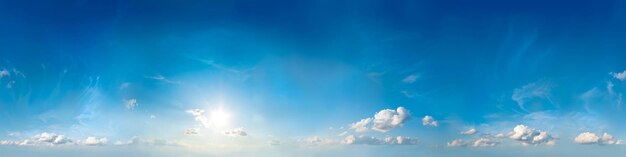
{"x":162,"y":78}
{"x":532,"y":92}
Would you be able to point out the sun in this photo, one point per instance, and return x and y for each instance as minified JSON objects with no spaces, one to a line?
{"x":219,"y":118}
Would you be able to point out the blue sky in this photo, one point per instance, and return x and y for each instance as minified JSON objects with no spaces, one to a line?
{"x":312,"y":78}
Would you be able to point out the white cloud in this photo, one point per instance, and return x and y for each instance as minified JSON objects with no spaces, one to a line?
{"x":199,"y":116}
{"x":45,"y":138}
{"x":368,"y":140}
{"x":481,"y":142}
{"x":592,"y":138}
{"x":529,"y":136}
{"x":162,"y":78}
{"x":361,"y":126}
{"x":236,"y":132}
{"x":620,"y":76}
{"x":317,"y":141}
{"x":457,"y":143}
{"x":351,"y":139}
{"x":530,"y":92}
{"x":484,"y":142}
{"x":130,"y":103}
{"x":94,"y":141}
{"x":388,"y":119}
{"x":191,"y":131}
{"x":383,"y":121}
{"x":471,"y":131}
{"x":51,"y":138}
{"x":429,"y":121}
{"x":405,"y":140}
{"x":4,"y":72}
{"x":410,"y":79}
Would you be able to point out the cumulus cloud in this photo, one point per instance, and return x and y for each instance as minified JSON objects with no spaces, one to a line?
{"x":51,"y":138}
{"x":130,"y":103}
{"x":530,"y":136}
{"x":361,"y":126}
{"x":620,"y":76}
{"x":592,"y":138}
{"x":383,"y":121}
{"x":236,"y":132}
{"x":411,"y":78}
{"x":191,"y":131}
{"x":429,"y":121}
{"x":94,"y":141}
{"x":388,"y":119}
{"x":44,"y":138}
{"x":471,"y":131}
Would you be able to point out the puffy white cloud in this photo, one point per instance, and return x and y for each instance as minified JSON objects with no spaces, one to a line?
{"x":429,"y":121}
{"x":191,"y":131}
{"x":405,"y":140}
{"x":592,"y":138}
{"x":620,"y":76}
{"x":51,"y":138}
{"x":529,"y":135}
{"x":94,"y":141}
{"x":130,"y":103}
{"x":388,"y":119}
{"x":236,"y":132}
{"x":471,"y":131}
{"x":44,"y":138}
{"x":140,"y":141}
{"x":383,"y":121}
{"x":411,"y":78}
{"x":531,"y":91}
{"x":351,"y":139}
{"x":361,"y":126}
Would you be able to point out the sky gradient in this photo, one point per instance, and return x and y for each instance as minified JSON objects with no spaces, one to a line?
{"x":312,"y":78}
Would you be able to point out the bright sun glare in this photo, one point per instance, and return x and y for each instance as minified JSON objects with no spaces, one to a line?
{"x":219,"y":118}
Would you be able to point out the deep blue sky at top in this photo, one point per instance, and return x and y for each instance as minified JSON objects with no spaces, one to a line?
{"x":321,"y":58}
